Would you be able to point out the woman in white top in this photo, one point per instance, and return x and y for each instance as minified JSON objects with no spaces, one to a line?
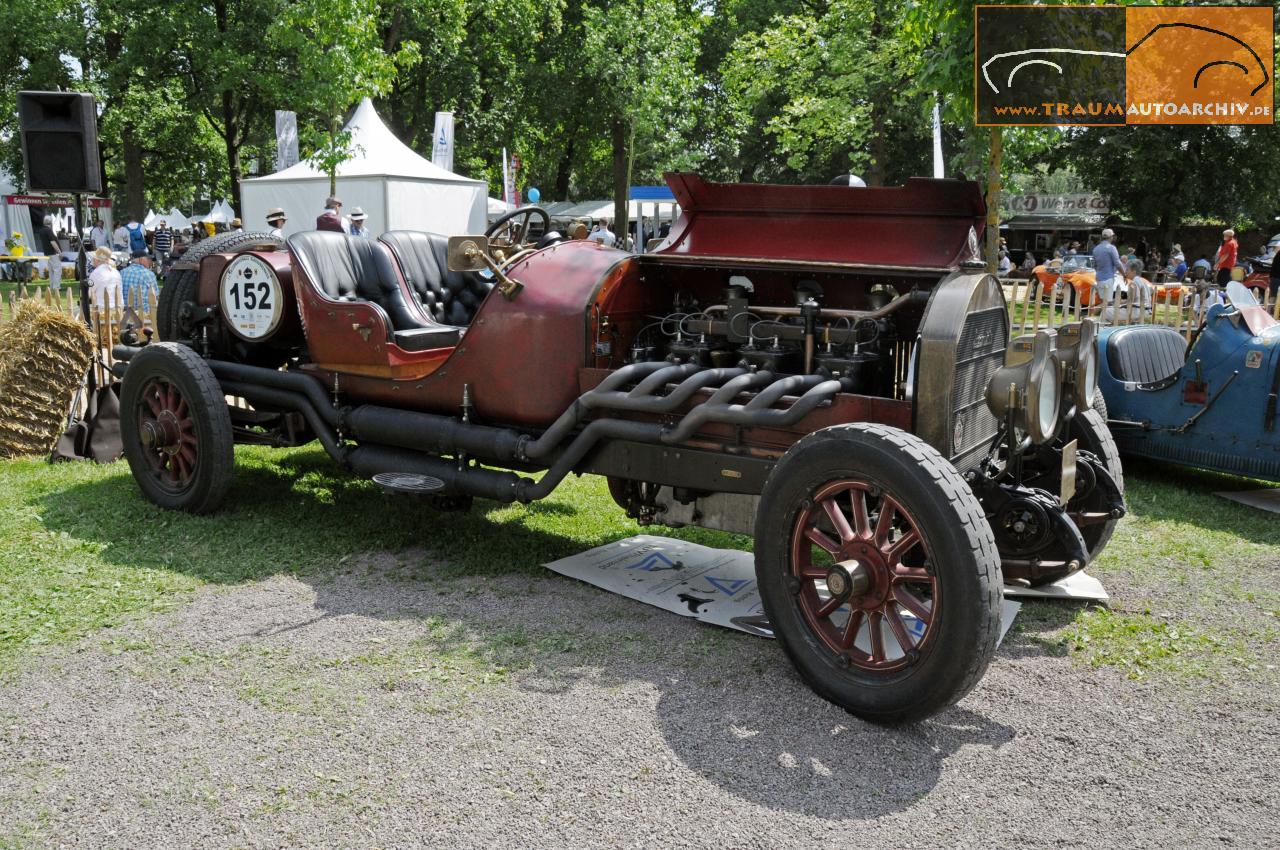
{"x":104,"y":281}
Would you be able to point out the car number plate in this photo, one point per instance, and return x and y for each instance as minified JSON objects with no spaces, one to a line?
{"x":1068,"y":472}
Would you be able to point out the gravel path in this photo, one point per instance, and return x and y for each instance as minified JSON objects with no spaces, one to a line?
{"x":385,"y":707}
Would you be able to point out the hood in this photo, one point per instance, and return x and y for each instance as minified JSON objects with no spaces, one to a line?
{"x":921,"y":226}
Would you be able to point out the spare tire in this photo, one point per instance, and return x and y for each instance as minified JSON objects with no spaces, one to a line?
{"x":182,"y":282}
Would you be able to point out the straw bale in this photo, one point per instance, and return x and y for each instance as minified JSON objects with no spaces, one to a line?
{"x":43,"y":357}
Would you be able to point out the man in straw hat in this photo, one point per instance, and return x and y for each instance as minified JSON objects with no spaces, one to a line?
{"x":276,"y":220}
{"x":357,"y":224}
{"x":104,"y":282}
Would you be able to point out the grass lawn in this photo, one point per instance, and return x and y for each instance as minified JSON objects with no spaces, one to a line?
{"x":1192,"y":575}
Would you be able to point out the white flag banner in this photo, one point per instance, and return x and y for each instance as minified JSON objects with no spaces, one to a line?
{"x":509,"y":181}
{"x":442,"y":148}
{"x":286,"y":139}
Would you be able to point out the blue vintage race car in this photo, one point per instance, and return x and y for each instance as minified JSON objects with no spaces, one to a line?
{"x":1210,"y":405}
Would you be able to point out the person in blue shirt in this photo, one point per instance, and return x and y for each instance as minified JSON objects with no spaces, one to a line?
{"x":138,"y":282}
{"x":1106,"y":263}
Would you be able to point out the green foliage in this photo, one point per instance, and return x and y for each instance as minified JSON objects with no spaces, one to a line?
{"x":335,"y":58}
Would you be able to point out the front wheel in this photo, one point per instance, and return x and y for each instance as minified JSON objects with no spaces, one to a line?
{"x":878,"y":572}
{"x":176,"y":428}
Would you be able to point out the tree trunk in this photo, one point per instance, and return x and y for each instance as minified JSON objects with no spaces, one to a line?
{"x":621,"y":173}
{"x":876,"y":144}
{"x":231,"y":137}
{"x":135,"y":190}
{"x":564,"y":171}
{"x":993,"y":199}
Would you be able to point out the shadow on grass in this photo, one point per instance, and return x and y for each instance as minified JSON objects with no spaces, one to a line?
{"x":1165,"y":493}
{"x":296,"y":512}
{"x":729,"y":706}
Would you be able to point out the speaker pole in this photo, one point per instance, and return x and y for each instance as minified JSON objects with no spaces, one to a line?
{"x":83,"y":277}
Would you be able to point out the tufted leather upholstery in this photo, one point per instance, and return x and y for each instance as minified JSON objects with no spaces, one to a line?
{"x":1146,"y":354}
{"x":450,"y":297}
{"x":347,"y":268}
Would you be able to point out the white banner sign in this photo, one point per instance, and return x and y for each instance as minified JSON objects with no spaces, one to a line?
{"x":286,"y":139}
{"x":442,"y":148}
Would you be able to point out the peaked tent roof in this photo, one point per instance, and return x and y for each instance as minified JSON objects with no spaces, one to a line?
{"x":378,"y":153}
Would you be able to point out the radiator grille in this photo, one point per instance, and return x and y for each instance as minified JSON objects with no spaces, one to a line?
{"x":979,"y":354}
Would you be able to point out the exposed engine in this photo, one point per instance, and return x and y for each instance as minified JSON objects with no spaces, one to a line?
{"x":863,"y":349}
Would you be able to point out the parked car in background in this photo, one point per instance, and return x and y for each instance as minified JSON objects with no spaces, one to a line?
{"x":1210,"y":405}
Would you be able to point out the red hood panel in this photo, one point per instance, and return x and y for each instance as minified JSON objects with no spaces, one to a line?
{"x":923,"y":224}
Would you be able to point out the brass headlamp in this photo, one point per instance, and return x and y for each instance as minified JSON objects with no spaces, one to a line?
{"x":1029,"y":385}
{"x":1077,"y":352}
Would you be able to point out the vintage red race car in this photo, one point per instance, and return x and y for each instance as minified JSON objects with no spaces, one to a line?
{"x":826,"y":368}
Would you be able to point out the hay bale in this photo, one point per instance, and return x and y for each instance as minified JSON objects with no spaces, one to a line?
{"x":43,"y":357}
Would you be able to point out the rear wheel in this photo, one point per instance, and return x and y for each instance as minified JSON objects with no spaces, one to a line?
{"x":878,"y":572}
{"x":176,"y":428}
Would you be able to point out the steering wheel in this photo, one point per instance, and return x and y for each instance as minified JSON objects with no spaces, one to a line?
{"x":516,"y":233}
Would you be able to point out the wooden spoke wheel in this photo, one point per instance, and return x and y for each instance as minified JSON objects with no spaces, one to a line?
{"x":878,"y":572}
{"x":867,"y":587}
{"x":176,"y":428}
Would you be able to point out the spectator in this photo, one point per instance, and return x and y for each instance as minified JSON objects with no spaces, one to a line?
{"x":603,"y":235}
{"x":357,"y":224}
{"x":97,"y":234}
{"x":237,"y":224}
{"x":1140,"y":289}
{"x":578,"y":230}
{"x":47,"y":242}
{"x":1106,"y":263}
{"x":1204,"y":267}
{"x":138,"y":282}
{"x":104,"y":282}
{"x":120,"y":238}
{"x":137,"y":236}
{"x":1004,"y":265}
{"x":1226,"y":259}
{"x":162,"y":243}
{"x":276,"y":220}
{"x":1028,"y":263}
{"x":1275,"y":275}
{"x":331,"y":219}
{"x":1179,"y":271}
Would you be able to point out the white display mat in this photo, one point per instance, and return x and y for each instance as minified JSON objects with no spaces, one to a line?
{"x":716,"y":586}
{"x":1263,"y":500}
{"x":1080,"y":587}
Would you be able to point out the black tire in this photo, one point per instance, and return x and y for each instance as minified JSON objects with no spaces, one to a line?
{"x":1100,"y":405}
{"x":179,"y":449}
{"x":1090,"y":429}
{"x":956,"y":554}
{"x":182,"y":282}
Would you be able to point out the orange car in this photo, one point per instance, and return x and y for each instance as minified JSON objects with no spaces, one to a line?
{"x":1077,"y":271}
{"x":1074,"y":271}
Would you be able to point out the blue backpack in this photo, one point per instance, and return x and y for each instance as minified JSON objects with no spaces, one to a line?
{"x":137,"y":238}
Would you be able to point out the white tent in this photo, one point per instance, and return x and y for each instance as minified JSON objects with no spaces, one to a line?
{"x":496,"y":207}
{"x":397,"y":188}
{"x":176,"y":220}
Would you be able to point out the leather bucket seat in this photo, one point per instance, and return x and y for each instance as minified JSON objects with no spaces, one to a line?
{"x":348,"y":268}
{"x":449,"y":297}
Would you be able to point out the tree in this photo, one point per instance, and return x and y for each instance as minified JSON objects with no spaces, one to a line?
{"x":335,"y":58}
{"x":829,"y":90}
{"x":641,"y":55}
{"x":1166,"y":174}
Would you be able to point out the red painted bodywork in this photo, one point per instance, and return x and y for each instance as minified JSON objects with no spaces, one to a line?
{"x":526,"y":360}
{"x":923,"y":225}
{"x":520,"y":357}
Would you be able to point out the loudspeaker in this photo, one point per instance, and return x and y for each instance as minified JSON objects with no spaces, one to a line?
{"x":59,"y":141}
